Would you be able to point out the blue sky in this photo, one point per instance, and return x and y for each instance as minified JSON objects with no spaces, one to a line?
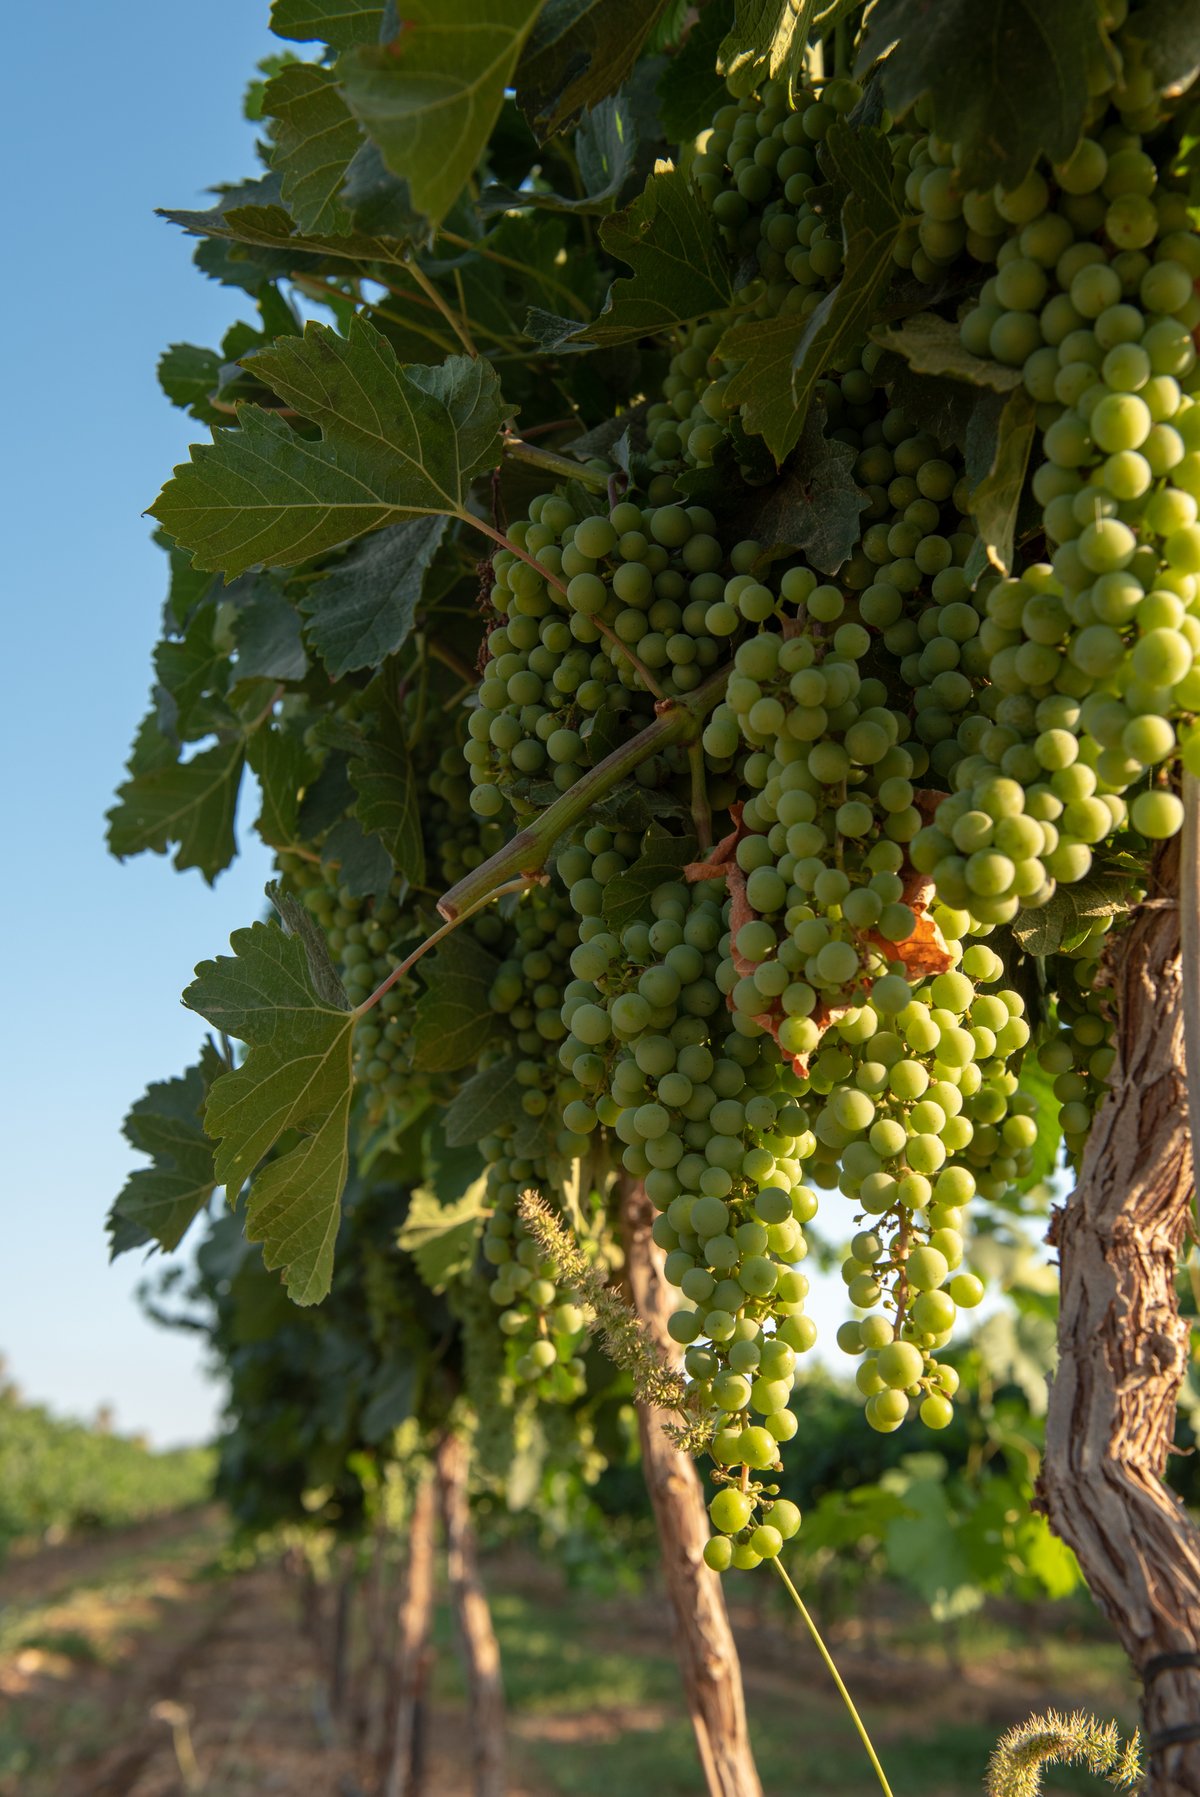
{"x":104,"y":125}
{"x":105,"y":120}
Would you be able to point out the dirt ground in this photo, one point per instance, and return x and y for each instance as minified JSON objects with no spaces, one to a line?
{"x":149,"y":1664}
{"x":126,"y":1670}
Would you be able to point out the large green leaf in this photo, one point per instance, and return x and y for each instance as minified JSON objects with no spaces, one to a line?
{"x":680,"y":271}
{"x":284,"y":767}
{"x":860,"y":164}
{"x":187,"y":375}
{"x":388,"y":802}
{"x":254,"y":215}
{"x":766,"y":38}
{"x":933,"y":346}
{"x":159,"y":1202}
{"x":604,"y":146}
{"x":490,"y":1100}
{"x":338,"y":23}
{"x":363,"y":609}
{"x":763,"y":351}
{"x":189,"y":803}
{"x":578,"y":53}
{"x":298,"y":1078}
{"x":815,"y":507}
{"x":452,"y":1020}
{"x":691,"y":87}
{"x":313,"y":138}
{"x":999,"y":440}
{"x":266,"y":628}
{"x":1007,"y":81}
{"x":396,"y":442}
{"x":430,"y":97}
{"x":1071,"y":911}
{"x":441,"y":1237}
{"x":1170,"y":34}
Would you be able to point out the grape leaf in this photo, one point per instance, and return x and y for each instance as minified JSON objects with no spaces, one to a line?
{"x":1171,"y":36}
{"x":578,"y":52}
{"x":691,"y":87}
{"x":860,"y":164}
{"x":193,"y":672}
{"x":313,"y":138}
{"x":159,"y":1202}
{"x":932,"y":345}
{"x":662,"y":858}
{"x":767,"y":37}
{"x":363,"y":865}
{"x":680,"y":273}
{"x":430,"y":97}
{"x":441,"y":1237}
{"x":1000,"y":437}
{"x":605,"y":146}
{"x":189,"y":803}
{"x":254,"y":214}
{"x":490,"y":1099}
{"x":266,"y":629}
{"x":388,"y":799}
{"x":816,"y":506}
{"x":297,"y":1077}
{"x":1006,"y":82}
{"x":1070,"y":911}
{"x":763,"y":350}
{"x":452,"y":1021}
{"x":363,"y":609}
{"x":299,"y":923}
{"x":187,"y":375}
{"x":396,"y":442}
{"x":284,"y":767}
{"x":378,"y":201}
{"x":338,"y":23}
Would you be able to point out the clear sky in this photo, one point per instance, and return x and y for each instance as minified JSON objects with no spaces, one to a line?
{"x":105,"y":121}
{"x":107,"y":116}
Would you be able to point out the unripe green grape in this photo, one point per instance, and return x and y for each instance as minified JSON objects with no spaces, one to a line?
{"x":966,"y":1290}
{"x":730,"y":1510}
{"x":936,"y":1411}
{"x":886,"y":1411}
{"x":1157,"y":814}
{"x":900,"y":1364}
{"x":718,"y":1552}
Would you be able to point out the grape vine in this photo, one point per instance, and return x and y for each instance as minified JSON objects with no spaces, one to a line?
{"x":778,"y":674}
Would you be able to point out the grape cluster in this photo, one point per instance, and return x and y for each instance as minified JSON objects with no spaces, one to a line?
{"x":706,"y":1116}
{"x":639,"y":591}
{"x":1078,"y":1053}
{"x":923,"y":748}
{"x":757,"y":166}
{"x":1094,"y":299}
{"x":525,"y":998}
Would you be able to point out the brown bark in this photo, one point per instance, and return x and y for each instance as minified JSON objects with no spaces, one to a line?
{"x":339,"y":1647}
{"x":1123,"y":1347}
{"x":402,"y":1772}
{"x":480,"y":1649}
{"x":371,"y":1681}
{"x":708,"y":1657}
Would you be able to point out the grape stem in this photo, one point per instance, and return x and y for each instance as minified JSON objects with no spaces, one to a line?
{"x":836,"y":1676}
{"x":457,"y":324}
{"x":1189,"y":944}
{"x":678,"y":720}
{"x":445,"y":929}
{"x":518,"y":450}
{"x":560,"y":586}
